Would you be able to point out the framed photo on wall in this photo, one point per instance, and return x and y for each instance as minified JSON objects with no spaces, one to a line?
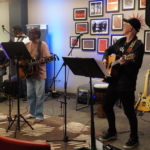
{"x":128,"y":5}
{"x":141,"y":4}
{"x":102,"y":44}
{"x":72,"y":42}
{"x":89,"y":44}
{"x":96,"y":8}
{"x":117,"y":21}
{"x":79,"y":13}
{"x":99,"y":26}
{"x":112,"y":6}
{"x":115,"y":37}
{"x":146,"y":41}
{"x":81,"y":27}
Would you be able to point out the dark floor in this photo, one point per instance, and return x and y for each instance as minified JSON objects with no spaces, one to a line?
{"x":55,"y":107}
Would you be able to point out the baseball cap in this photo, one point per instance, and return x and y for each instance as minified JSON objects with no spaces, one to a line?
{"x":134,"y":22}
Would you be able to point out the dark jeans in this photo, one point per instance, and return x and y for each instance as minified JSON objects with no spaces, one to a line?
{"x":127,"y":99}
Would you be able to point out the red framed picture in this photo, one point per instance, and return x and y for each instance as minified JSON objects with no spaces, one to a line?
{"x":112,"y":5}
{"x":117,"y":22}
{"x":88,"y":44}
{"x":102,"y":44}
{"x":79,"y":13}
{"x":74,"y":42}
{"x":81,"y":27}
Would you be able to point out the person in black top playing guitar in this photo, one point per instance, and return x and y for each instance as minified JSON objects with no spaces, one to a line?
{"x":123,"y":85}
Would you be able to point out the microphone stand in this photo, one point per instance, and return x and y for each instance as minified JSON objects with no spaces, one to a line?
{"x":10,"y":84}
{"x":75,"y":42}
{"x":66,"y":138}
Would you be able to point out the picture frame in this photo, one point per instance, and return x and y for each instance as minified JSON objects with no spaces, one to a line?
{"x":141,"y":4}
{"x":99,"y":26}
{"x":96,"y":8}
{"x":115,"y":37}
{"x":128,"y":5}
{"x":102,"y":44}
{"x":89,"y":44}
{"x":72,"y":42}
{"x":117,"y":22}
{"x":146,"y":41}
{"x":79,"y":13}
{"x":81,"y":27}
{"x":112,"y":6}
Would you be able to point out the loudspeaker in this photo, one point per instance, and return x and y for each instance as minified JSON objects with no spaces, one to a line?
{"x":147,"y":13}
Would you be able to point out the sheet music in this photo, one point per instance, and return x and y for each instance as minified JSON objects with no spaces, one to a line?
{"x":103,"y":68}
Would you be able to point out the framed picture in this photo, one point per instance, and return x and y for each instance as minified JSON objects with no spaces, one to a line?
{"x":112,"y":6}
{"x":81,"y":27}
{"x":73,"y":40}
{"x":142,"y":4}
{"x":146,"y":41}
{"x":79,"y":13}
{"x":96,"y":8}
{"x":99,"y":26}
{"x":102,"y":44}
{"x":115,"y":37}
{"x":117,"y":22}
{"x":89,"y":44}
{"x":128,"y":4}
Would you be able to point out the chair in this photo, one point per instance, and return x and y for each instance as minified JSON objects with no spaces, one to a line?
{"x":14,"y":144}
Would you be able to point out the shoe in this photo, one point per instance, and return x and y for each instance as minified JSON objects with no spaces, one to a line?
{"x":108,"y":137}
{"x":29,"y":117}
{"x":132,"y":142}
{"x":37,"y":121}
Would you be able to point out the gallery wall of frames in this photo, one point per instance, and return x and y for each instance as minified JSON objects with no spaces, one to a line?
{"x":91,"y":20}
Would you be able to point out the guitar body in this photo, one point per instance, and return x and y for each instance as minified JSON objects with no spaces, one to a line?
{"x":28,"y":67}
{"x":25,"y":71}
{"x":144,"y":104}
{"x":112,"y":70}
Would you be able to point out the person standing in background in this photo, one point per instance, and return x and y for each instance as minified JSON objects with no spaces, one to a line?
{"x":19,"y":36}
{"x":36,"y":82}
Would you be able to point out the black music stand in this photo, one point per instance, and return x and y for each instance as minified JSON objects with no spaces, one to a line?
{"x":16,"y":50}
{"x":91,"y":68}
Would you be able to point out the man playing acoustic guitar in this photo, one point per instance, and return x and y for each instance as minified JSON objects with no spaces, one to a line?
{"x":123,"y":85}
{"x":36,"y":83}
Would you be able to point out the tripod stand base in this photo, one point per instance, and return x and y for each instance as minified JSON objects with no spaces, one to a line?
{"x":83,"y":148}
{"x":17,"y":119}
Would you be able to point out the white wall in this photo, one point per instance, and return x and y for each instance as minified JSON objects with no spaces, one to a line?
{"x":58,"y":14}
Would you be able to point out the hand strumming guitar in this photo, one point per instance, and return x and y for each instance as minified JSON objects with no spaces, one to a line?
{"x":104,"y":62}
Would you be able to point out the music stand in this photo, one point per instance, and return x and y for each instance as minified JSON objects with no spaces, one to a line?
{"x":88,"y":67}
{"x":16,"y":50}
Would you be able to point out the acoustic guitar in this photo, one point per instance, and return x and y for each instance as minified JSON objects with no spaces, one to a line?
{"x":113,"y":63}
{"x":28,"y":67}
{"x":143,"y":103}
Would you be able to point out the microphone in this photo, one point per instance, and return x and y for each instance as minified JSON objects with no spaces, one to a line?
{"x":3,"y":27}
{"x":18,"y":36}
{"x":81,"y":34}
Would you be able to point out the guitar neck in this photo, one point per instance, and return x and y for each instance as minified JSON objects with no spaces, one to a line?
{"x":34,"y":63}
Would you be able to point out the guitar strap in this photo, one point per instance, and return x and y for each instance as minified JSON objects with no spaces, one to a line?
{"x":38,"y":50}
{"x":131,"y":46}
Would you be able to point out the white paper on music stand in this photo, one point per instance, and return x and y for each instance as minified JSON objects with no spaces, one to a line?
{"x":103,"y":68}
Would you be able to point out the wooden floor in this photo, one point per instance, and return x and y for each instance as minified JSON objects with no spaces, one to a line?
{"x":55,"y":107}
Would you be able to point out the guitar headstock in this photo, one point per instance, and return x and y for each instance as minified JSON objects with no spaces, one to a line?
{"x":129,"y":57}
{"x":47,"y":59}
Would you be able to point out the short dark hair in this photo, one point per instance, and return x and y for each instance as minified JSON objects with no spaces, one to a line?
{"x":37,"y":31}
{"x":17,"y":28}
